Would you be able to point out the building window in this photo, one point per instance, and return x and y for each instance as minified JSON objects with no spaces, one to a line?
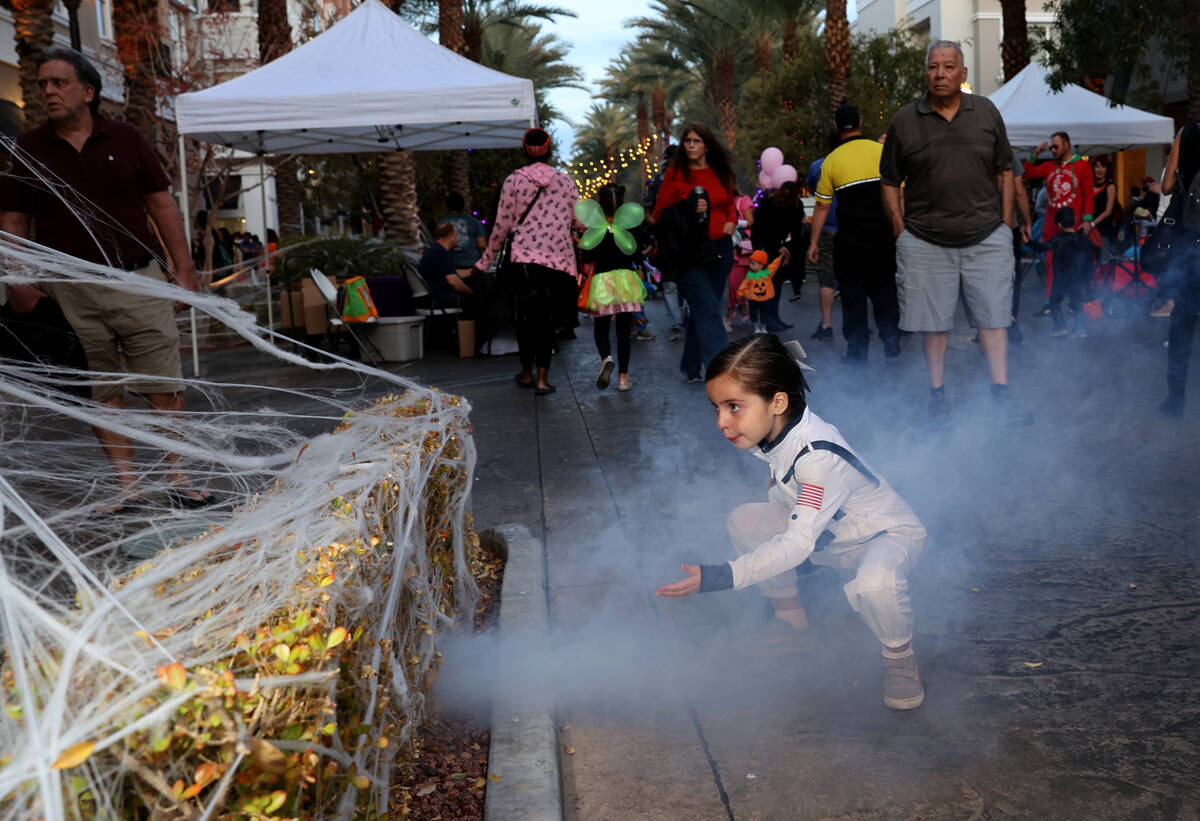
{"x":223,"y":6}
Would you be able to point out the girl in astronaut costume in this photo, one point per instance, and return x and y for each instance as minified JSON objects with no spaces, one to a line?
{"x":825,"y":505}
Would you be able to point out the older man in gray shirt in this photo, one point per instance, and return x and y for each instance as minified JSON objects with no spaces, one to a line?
{"x":950,"y":151}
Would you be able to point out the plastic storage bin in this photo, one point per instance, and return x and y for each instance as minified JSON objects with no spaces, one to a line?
{"x":399,"y":338}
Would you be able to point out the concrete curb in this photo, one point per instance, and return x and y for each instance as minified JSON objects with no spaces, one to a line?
{"x":523,"y":773}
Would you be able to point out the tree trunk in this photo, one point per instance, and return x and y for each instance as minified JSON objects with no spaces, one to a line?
{"x":658,"y":111}
{"x":789,"y":49}
{"x":643,"y":120}
{"x":1014,"y":50}
{"x":139,"y":38}
{"x":398,"y":189}
{"x":275,"y":40}
{"x":34,"y":34}
{"x":725,"y":95}
{"x":762,"y":54}
{"x":287,"y":196}
{"x":837,"y":52}
{"x":398,"y":185}
{"x":451,"y":35}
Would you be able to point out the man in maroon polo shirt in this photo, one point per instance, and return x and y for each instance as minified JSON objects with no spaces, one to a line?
{"x":85,"y":185}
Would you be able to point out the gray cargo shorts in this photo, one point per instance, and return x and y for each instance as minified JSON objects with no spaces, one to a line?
{"x":931,"y":278}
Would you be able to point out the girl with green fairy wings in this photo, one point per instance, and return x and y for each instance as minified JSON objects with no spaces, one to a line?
{"x":615,"y":291}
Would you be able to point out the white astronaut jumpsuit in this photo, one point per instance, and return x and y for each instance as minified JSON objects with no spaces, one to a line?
{"x":819,"y":484}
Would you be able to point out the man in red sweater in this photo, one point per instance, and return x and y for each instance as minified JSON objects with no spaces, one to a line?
{"x":1068,"y":183}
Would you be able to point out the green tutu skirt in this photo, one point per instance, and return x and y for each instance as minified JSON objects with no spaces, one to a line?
{"x":616,"y":292}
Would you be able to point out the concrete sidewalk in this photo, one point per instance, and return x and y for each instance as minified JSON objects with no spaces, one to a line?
{"x":1056,"y":599}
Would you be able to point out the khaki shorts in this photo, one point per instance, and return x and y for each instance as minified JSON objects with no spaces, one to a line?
{"x":826,"y":278}
{"x":113,"y":324}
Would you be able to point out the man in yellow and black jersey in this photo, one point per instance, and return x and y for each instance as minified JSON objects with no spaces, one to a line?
{"x":864,"y":247}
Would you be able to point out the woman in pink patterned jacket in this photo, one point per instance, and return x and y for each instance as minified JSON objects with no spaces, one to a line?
{"x":539,"y":277}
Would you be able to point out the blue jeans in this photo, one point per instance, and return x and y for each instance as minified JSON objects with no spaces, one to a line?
{"x":704,"y":288}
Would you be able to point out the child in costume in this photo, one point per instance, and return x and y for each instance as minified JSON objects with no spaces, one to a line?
{"x":825,"y":506}
{"x":1074,"y":261}
{"x":615,"y":290}
{"x":759,"y":287}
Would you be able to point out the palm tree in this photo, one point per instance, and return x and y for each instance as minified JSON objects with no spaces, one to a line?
{"x":452,"y":36}
{"x":398,"y":190}
{"x":1014,"y":50}
{"x":275,"y":40}
{"x":603,"y":134}
{"x":704,"y":37}
{"x":837,"y":52}
{"x":480,"y":16}
{"x":138,"y":31}
{"x":524,"y":51}
{"x":34,"y":33}
{"x":647,"y":69}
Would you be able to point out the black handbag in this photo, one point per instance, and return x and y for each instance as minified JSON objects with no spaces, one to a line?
{"x":1170,"y":238}
{"x":1165,"y":238}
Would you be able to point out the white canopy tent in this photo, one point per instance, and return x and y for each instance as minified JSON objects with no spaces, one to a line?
{"x":370,"y":83}
{"x":1032,"y":111}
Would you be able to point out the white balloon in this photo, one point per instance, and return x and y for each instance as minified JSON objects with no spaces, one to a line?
{"x":771,"y":159}
{"x":782,"y":174}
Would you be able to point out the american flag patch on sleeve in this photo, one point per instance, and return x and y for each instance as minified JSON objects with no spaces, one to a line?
{"x":810,"y":496}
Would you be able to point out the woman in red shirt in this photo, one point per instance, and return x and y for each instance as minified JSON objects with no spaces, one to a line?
{"x":697,"y":193}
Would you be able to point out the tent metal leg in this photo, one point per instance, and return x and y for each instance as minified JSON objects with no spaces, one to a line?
{"x":185,"y":213}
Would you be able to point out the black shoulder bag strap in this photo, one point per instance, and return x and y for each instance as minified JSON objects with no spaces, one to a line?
{"x":506,"y":249}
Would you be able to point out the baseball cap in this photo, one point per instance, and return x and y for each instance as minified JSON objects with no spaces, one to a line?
{"x":847,"y":117}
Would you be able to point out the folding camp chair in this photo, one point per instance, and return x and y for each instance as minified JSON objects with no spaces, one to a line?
{"x":334,"y":321}
{"x":446,"y":318}
{"x":1124,"y":279}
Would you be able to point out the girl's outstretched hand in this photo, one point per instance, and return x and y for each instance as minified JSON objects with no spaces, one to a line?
{"x":687,"y":587}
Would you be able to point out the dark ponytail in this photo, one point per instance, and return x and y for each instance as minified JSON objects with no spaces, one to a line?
{"x":765,"y":367}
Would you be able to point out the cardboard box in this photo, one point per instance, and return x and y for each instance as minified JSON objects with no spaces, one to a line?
{"x":309,"y":306}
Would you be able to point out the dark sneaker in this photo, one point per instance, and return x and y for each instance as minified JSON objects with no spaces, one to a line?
{"x":676,"y":334}
{"x":902,"y":689}
{"x":1008,"y":410}
{"x":939,"y":410}
{"x":823,"y":334}
{"x":1042,"y":311}
{"x":1015,"y":337}
{"x":1172,"y":406}
{"x":891,"y":350}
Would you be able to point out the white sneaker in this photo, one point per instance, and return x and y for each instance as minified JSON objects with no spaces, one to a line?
{"x":605,"y":375}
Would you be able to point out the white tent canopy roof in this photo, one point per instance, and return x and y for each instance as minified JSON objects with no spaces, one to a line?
{"x":370,"y":83}
{"x":1032,"y":111}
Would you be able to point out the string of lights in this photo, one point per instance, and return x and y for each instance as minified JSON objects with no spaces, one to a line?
{"x":589,"y":176}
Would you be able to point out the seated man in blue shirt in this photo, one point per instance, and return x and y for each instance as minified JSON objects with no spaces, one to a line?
{"x":437,"y":269}
{"x":472,"y":239}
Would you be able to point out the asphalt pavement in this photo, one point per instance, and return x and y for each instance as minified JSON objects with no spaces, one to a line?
{"x":1057,"y":598}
